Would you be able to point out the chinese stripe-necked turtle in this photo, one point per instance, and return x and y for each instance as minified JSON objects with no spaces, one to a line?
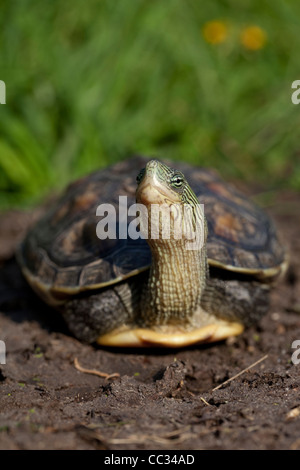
{"x":122,"y":291}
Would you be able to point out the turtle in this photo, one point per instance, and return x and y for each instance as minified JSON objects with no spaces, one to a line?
{"x":141,"y":291}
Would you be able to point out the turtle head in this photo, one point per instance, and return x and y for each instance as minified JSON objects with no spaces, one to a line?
{"x":159,"y":184}
{"x":172,"y":206}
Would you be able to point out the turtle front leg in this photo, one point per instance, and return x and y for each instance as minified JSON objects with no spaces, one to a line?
{"x":236,"y":300}
{"x":89,"y":317}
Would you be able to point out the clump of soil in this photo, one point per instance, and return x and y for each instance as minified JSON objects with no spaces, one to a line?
{"x":162,"y":399}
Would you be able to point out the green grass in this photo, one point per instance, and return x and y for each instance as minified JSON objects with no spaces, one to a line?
{"x":91,"y":83}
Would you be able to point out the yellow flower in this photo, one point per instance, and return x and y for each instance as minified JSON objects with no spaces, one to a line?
{"x":253,"y":38}
{"x":215,"y":31}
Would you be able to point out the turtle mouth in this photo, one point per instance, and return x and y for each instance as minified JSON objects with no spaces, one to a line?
{"x":152,"y":191}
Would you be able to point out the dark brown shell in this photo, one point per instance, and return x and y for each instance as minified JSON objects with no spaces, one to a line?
{"x":62,"y":253}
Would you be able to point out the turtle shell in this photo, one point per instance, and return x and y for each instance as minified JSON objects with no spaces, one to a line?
{"x":62,"y":255}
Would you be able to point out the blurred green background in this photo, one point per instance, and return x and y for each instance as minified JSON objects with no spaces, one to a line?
{"x":90,"y":83}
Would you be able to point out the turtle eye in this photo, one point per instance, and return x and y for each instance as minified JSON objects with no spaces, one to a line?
{"x":177,"y":180}
{"x":140,"y":176}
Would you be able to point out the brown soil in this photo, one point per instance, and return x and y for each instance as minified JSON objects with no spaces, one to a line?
{"x":163,"y":399}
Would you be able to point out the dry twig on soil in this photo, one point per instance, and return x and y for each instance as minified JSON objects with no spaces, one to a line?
{"x":240,"y":373}
{"x":94,"y":371}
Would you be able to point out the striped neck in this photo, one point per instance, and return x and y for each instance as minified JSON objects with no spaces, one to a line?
{"x":176,"y":281}
{"x":178,"y":271}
